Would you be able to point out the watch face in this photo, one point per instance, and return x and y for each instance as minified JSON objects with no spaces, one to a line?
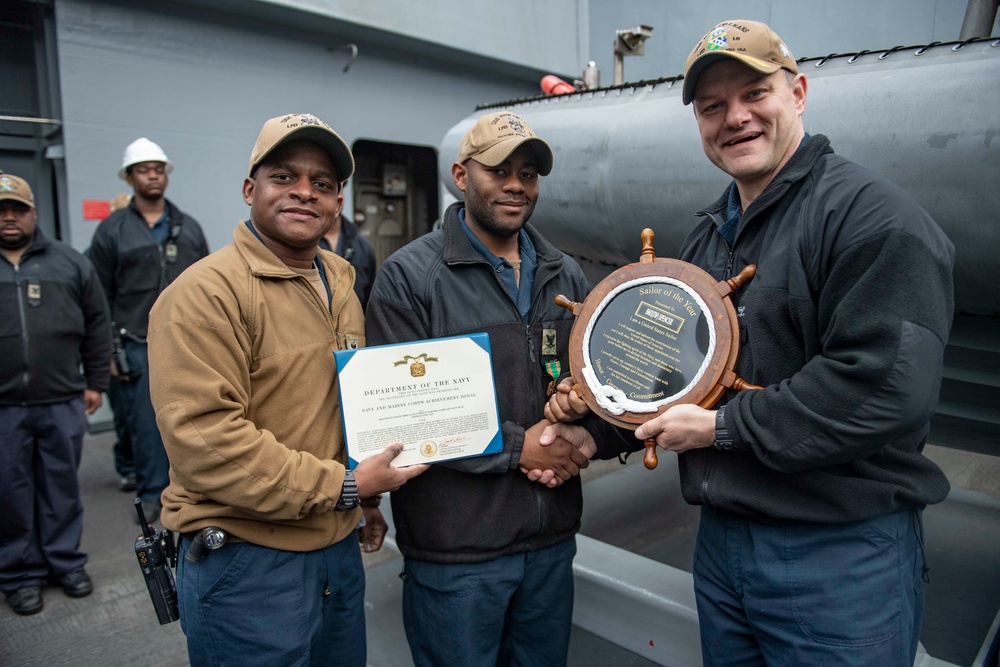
{"x":344,"y":505}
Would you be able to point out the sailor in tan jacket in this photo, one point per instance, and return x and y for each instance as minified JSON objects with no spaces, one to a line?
{"x":245,"y":390}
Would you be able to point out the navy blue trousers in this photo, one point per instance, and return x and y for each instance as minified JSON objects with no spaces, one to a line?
{"x":41,"y":521}
{"x":513,"y":610}
{"x":818,"y":594}
{"x":152,"y":469}
{"x":124,"y":459}
{"x":249,"y":605}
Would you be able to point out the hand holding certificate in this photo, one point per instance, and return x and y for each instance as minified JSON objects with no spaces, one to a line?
{"x":436,"y":396}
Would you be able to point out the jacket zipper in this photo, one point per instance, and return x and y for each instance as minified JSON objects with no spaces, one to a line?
{"x":532,"y":374}
{"x":728,"y":273}
{"x":730,"y":253}
{"x":163,"y":266}
{"x":535,"y":371}
{"x":517,"y":313}
{"x":24,"y":325}
{"x":704,"y":479}
{"x":335,"y":320}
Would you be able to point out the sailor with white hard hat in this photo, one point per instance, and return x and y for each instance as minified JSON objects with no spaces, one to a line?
{"x":143,"y":150}
{"x":138,"y":250}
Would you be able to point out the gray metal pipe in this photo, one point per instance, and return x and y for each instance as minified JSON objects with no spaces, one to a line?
{"x":631,"y":158}
{"x":979,"y":18}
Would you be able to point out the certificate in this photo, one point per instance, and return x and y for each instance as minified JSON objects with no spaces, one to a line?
{"x":435,"y":396}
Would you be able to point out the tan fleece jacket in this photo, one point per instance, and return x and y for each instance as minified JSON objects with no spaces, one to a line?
{"x":244,"y":385}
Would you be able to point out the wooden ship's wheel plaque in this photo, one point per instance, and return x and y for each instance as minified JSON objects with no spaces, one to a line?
{"x":654,"y":334}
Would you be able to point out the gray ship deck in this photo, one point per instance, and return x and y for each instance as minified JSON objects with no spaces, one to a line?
{"x":626,"y":506}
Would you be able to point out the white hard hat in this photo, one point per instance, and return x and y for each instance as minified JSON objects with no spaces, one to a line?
{"x":143,"y":150}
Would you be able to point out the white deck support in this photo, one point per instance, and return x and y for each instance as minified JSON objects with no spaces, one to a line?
{"x":637,"y":603}
{"x":649,"y":609}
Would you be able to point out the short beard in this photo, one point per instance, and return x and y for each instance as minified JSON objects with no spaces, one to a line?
{"x":479,"y":209}
{"x":17,"y":244}
{"x":149,"y":198}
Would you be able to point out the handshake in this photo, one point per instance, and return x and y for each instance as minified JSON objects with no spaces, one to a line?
{"x":555,"y":449}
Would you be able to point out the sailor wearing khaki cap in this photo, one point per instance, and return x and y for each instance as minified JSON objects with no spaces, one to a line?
{"x":493,"y":137}
{"x":810,"y":541}
{"x":244,"y":382}
{"x":303,"y":127}
{"x":488,"y":269}
{"x":54,"y":353}
{"x":15,"y":188}
{"x":752,"y":43}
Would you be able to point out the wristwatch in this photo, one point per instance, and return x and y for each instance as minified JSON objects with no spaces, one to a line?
{"x":349,"y":494}
{"x":723,"y":440}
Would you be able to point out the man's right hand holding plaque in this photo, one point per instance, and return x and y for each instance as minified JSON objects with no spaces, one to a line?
{"x":653,"y":348}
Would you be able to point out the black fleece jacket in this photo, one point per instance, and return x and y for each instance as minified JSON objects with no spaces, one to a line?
{"x":359,"y":252}
{"x":134,"y":268}
{"x":53,"y":322}
{"x":477,"y":509}
{"x":844,"y":325}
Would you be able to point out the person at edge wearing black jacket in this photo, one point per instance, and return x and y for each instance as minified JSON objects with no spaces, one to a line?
{"x":488,"y":554}
{"x":810,"y":545}
{"x":53,"y":322}
{"x":345,"y":239}
{"x":138,"y":251}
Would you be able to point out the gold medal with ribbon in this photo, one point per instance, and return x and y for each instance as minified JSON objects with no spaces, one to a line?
{"x":417,"y":367}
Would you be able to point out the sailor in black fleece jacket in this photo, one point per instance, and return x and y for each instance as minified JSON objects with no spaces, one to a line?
{"x":55,"y":349}
{"x":810,"y":543}
{"x":488,"y":576}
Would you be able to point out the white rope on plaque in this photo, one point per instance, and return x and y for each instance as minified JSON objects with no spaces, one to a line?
{"x":613,"y":400}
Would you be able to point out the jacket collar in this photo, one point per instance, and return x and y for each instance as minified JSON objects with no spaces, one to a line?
{"x":348,"y":230}
{"x":171,"y":208}
{"x":263,"y":262}
{"x":39,"y":243}
{"x":458,"y":250}
{"x":797,"y":168}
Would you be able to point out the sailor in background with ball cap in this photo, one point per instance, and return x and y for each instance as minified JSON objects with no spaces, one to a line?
{"x":55,"y":342}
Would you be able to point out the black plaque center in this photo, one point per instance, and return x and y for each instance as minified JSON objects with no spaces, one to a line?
{"x":649,"y":341}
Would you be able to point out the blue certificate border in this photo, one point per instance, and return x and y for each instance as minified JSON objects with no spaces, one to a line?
{"x":344,"y":357}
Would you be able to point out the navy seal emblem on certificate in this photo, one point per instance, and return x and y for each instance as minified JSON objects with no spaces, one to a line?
{"x":435,"y":396}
